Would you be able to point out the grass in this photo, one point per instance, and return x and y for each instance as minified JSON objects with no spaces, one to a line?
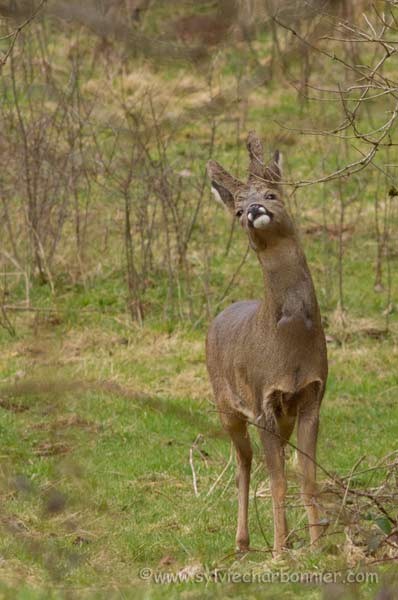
{"x":97,"y":422}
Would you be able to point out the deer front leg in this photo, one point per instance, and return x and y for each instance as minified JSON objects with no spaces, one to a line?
{"x":307,"y":434}
{"x":241,"y":440}
{"x":275,"y":461}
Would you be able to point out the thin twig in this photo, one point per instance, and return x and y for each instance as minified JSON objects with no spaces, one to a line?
{"x":14,"y":35}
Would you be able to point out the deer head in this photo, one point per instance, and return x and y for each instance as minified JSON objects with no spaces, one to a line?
{"x":257,"y":204}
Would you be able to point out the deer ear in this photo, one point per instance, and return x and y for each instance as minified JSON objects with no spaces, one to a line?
{"x":223,"y":185}
{"x":273,"y":172}
{"x":256,"y":155}
{"x":222,"y":195}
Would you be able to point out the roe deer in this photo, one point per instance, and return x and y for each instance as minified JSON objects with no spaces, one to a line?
{"x":267,"y":359}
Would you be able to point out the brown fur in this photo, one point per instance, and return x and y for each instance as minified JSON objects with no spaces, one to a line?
{"x":267,"y":359}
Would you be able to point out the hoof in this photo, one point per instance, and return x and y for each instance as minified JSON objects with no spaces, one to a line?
{"x":279,"y":551}
{"x":242,"y":547}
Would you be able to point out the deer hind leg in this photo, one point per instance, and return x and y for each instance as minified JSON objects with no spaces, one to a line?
{"x":307,"y":433}
{"x":237,"y":429}
{"x":273,"y":444}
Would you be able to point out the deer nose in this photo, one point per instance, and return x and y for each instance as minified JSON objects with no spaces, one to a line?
{"x":258,"y":216}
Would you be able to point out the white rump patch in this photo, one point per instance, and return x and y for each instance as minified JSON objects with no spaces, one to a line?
{"x":262,"y":222}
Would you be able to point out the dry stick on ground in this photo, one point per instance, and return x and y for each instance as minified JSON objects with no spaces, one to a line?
{"x":194,"y":478}
{"x":194,"y":446}
{"x":358,"y":462}
{"x":214,"y":485}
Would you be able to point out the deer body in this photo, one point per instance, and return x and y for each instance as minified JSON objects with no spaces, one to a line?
{"x":267,"y":359}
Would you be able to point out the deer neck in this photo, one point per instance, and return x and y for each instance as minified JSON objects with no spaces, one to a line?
{"x":289,"y":291}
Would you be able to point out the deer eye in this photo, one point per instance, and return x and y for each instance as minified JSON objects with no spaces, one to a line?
{"x":270,"y":196}
{"x":239,"y":213}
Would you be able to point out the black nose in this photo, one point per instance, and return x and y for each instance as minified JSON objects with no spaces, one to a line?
{"x":256,"y":210}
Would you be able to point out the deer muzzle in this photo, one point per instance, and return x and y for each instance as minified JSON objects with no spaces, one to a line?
{"x":258,"y":216}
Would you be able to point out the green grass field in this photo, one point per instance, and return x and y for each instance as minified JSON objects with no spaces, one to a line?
{"x":105,"y":424}
{"x":98,"y":419}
